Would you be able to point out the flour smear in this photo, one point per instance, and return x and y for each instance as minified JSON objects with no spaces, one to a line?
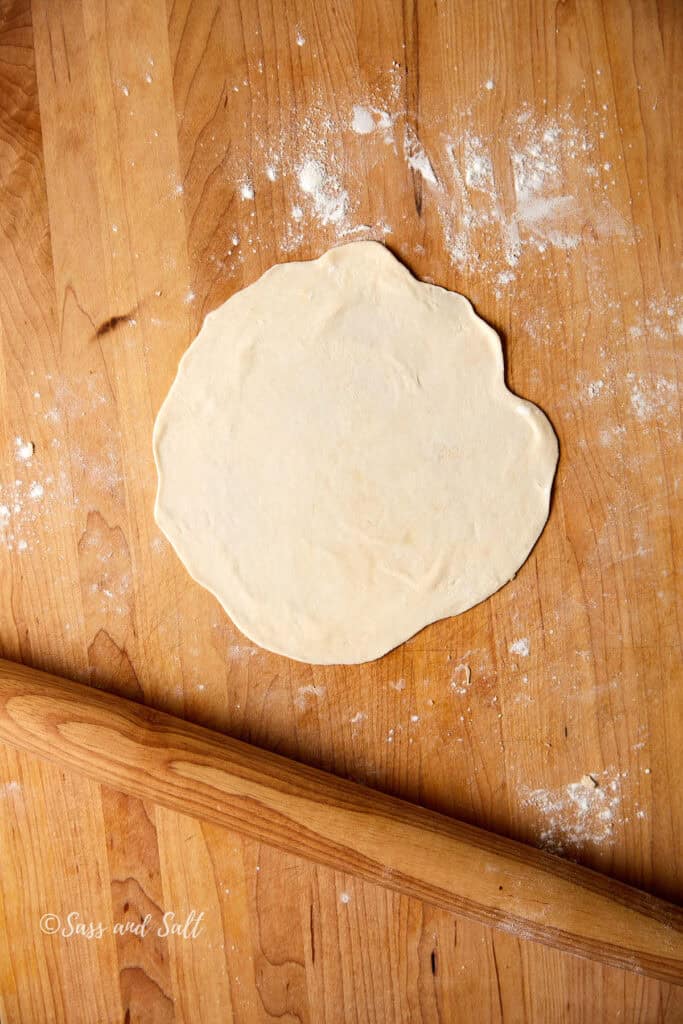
{"x":534,"y":186}
{"x":586,"y":812}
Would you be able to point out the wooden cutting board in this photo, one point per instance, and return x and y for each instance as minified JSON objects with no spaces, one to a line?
{"x":151,"y":161}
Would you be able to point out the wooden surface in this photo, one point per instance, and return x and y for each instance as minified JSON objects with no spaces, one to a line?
{"x":495,"y":881}
{"x":131,"y":136}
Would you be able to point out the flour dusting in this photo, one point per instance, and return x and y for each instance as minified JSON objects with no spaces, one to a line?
{"x":417,"y":159}
{"x":20,"y":512}
{"x":24,"y":449}
{"x":329,"y":199}
{"x":522,"y":647}
{"x":533,"y":187}
{"x":581,"y":813}
{"x":461,"y":678}
{"x":305,"y":693}
{"x":363,"y":122}
{"x":651,"y":396}
{"x":10,"y":788}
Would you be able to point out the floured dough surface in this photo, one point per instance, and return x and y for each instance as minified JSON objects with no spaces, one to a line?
{"x":340,"y":462}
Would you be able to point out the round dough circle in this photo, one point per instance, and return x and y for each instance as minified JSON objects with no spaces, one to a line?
{"x":340,"y":462}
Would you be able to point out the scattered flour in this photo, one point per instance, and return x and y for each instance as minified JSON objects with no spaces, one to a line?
{"x":329,"y":199}
{"x":461,"y":679}
{"x":10,"y":787}
{"x":363,"y":122}
{"x":594,"y":387}
{"x":533,"y":186}
{"x":478,"y":165}
{"x":417,"y":159}
{"x":26,"y":504}
{"x":521,"y":647}
{"x":242,"y":651}
{"x":25,"y":449}
{"x":650,"y":397}
{"x":486,"y":223}
{"x":578,"y":814}
{"x":19,"y":516}
{"x":306,"y":692}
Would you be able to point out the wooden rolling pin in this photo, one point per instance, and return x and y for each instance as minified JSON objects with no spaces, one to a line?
{"x":496,"y":881}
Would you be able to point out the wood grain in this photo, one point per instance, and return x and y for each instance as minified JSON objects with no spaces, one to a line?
{"x":153,"y":756}
{"x":92,"y":322}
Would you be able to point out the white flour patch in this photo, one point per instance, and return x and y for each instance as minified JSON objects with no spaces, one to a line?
{"x":366,"y":120}
{"x":461,"y":679}
{"x":546,"y":218}
{"x":21,"y":508}
{"x":329,"y":199}
{"x":579,"y":814}
{"x":522,"y":647}
{"x":478,"y":165}
{"x":10,"y":788}
{"x":24,"y":449}
{"x":385,"y":124}
{"x":363,"y":122}
{"x":652,"y":396}
{"x":487,"y":223}
{"x":305,"y":693}
{"x":417,"y":159}
{"x":242,"y":651}
{"x":594,"y":388}
{"x":662,"y":319}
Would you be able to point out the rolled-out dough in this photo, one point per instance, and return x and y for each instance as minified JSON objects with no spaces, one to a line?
{"x":340,"y":462}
